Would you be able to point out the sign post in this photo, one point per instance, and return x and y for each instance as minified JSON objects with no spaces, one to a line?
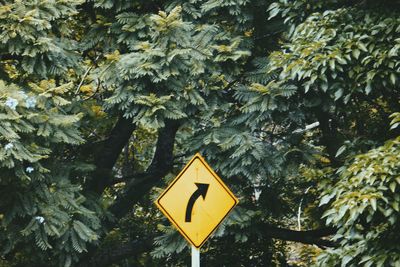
{"x":196,"y":202}
{"x":195,"y":257}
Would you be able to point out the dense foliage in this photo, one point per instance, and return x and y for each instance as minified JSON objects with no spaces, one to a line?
{"x":293,"y":103}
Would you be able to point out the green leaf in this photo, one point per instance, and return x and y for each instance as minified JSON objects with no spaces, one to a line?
{"x":395,"y":206}
{"x":368,"y":88}
{"x":373,"y":203}
{"x":392,"y":186}
{"x":340,"y":151}
{"x":362,"y":47}
{"x":394,"y":126}
{"x":345,"y":260}
{"x":325,"y":199}
{"x":356,"y":53}
{"x":338,"y":94}
{"x":393,"y":78}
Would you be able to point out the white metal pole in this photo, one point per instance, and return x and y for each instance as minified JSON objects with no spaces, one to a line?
{"x":195,"y":257}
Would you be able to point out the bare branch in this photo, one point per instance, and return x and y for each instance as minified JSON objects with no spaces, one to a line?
{"x":84,"y":76}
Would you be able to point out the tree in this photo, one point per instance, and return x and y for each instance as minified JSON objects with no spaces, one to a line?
{"x":102,"y":100}
{"x":344,"y":61}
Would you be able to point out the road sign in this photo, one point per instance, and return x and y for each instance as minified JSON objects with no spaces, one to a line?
{"x":197,"y":201}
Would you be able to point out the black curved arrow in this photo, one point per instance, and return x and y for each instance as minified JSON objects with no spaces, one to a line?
{"x":201,"y":191}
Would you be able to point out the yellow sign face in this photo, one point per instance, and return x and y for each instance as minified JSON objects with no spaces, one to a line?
{"x":197,"y":201}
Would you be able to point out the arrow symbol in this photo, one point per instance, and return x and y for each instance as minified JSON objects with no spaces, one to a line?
{"x":201,"y":191}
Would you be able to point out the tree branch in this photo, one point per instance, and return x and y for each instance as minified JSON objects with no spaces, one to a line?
{"x":331,"y":137}
{"x":107,"y":155}
{"x":161,"y":164}
{"x":311,"y":237}
{"x":10,"y":57}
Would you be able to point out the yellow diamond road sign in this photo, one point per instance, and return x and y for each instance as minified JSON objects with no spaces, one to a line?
{"x":197,"y":201}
